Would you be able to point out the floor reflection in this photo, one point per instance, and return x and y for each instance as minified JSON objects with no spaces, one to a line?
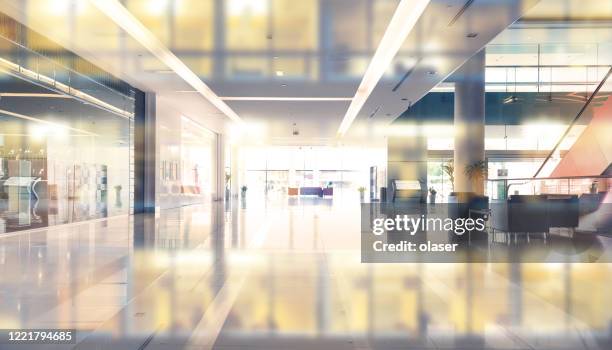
{"x":283,"y":276}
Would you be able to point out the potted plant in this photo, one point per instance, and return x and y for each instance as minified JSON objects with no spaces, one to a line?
{"x":476,"y":172}
{"x":243,"y":190}
{"x":449,"y":169}
{"x":361,"y":190}
{"x":118,"y":203}
{"x":593,"y":188}
{"x":432,"y":195}
{"x":228,"y":177}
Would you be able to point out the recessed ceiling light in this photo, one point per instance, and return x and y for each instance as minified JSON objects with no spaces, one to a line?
{"x":472,"y":35}
{"x":284,"y":85}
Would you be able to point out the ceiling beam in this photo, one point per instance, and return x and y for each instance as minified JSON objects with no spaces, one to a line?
{"x":404,"y":19}
{"x":115,"y":11}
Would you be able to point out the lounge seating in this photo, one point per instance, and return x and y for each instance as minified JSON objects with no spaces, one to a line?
{"x":193,"y":190}
{"x":310,"y":191}
{"x":590,"y":202}
{"x":534,"y":213}
{"x":292,"y":191}
{"x":563,"y":211}
{"x":468,"y":205}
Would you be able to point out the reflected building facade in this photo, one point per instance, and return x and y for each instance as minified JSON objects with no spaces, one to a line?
{"x":66,"y":145}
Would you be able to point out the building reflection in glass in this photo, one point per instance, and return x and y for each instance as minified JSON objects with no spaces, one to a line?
{"x":59,"y":167}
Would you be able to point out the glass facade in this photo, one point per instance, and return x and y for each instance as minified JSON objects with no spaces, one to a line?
{"x":273,"y":170}
{"x":66,"y":137}
{"x":533,"y":93}
{"x":197,"y":161}
{"x":186,"y":161}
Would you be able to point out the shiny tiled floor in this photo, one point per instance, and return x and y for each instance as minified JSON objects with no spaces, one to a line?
{"x":283,"y":274}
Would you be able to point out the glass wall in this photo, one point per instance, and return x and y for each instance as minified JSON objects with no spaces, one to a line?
{"x":61,"y":160}
{"x":272,"y":170}
{"x":186,"y":161}
{"x":66,"y":136}
{"x":197,"y":152}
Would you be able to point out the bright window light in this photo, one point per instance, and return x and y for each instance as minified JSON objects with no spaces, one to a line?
{"x":247,"y":7}
{"x":157,"y":7}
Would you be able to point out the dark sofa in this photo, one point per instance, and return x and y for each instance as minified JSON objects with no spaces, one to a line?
{"x":534,"y":213}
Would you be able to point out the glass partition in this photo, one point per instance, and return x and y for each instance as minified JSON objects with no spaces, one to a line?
{"x":66,"y":140}
{"x":275,"y":169}
{"x":60,"y":160}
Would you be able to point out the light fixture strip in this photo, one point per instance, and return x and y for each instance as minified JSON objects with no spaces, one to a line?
{"x":24,"y":73}
{"x":404,"y":19}
{"x":46,"y":122}
{"x":114,"y":10}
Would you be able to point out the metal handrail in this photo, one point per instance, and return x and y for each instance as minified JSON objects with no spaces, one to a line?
{"x":584,"y":107}
{"x":554,"y":178}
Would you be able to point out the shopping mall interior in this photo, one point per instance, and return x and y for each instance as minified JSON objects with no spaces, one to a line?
{"x":199,"y":174}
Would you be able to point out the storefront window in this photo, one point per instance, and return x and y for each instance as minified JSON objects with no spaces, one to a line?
{"x":66,"y":134}
{"x":197,"y":150}
{"x":61,"y":160}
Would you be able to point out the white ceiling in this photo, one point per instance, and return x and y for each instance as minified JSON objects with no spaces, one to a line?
{"x":441,"y":48}
{"x":143,"y":70}
{"x":438,"y":47}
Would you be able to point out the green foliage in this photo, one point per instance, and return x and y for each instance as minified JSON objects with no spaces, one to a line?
{"x":477,"y":170}
{"x":449,"y":169}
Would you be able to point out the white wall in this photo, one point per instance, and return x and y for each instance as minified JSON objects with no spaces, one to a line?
{"x":171,"y":148}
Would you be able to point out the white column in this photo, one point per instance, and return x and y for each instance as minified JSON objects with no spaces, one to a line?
{"x":235,"y":181}
{"x":220,"y":169}
{"x":469,"y":122}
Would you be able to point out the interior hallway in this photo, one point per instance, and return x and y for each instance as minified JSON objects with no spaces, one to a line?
{"x":283,"y":275}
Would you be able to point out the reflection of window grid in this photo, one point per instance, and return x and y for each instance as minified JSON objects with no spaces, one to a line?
{"x":246,"y":25}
